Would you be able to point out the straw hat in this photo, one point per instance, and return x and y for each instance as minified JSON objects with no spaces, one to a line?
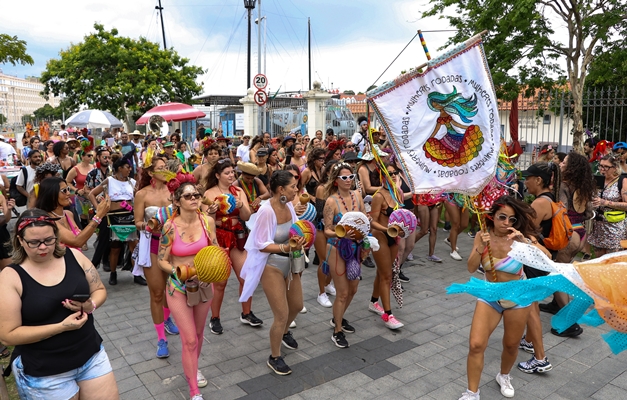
{"x":137,"y":133}
{"x":248,"y":168}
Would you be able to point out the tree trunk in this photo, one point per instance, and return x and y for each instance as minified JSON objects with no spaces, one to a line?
{"x":577,"y":120}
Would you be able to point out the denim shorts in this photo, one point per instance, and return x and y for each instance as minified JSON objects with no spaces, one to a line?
{"x":499,"y":309}
{"x":62,"y":386}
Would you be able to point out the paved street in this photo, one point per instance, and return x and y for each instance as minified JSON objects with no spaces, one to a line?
{"x":424,"y":360}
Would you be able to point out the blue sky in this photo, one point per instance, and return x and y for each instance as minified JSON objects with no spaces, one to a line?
{"x":352,"y":41}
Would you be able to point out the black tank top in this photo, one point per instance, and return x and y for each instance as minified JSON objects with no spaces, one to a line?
{"x":312,"y":185}
{"x":547,"y":224}
{"x":41,"y":305}
{"x":409,"y":203}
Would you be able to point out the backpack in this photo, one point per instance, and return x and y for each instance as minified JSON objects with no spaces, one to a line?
{"x":20,"y":199}
{"x":561,"y":228}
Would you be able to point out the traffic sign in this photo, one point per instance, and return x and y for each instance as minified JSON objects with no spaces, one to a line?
{"x":260,"y":81}
{"x":261,"y":97}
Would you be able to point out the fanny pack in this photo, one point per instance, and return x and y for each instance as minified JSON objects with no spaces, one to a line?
{"x":297,"y":261}
{"x":122,"y":227}
{"x":614,"y":216}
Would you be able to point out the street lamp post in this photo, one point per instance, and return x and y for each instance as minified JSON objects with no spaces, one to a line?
{"x":249,"y":5}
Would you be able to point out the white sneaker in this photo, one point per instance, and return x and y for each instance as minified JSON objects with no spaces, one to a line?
{"x":391,"y":322}
{"x":202,"y":381}
{"x":293,"y":324}
{"x":455,"y":256}
{"x":505,"y":382}
{"x":324,"y":301}
{"x":468,"y":395}
{"x":304,"y":310}
{"x":375,"y":308}
{"x":410,"y":257}
{"x":449,"y":243}
{"x":330,"y":289}
{"x":197,"y":397}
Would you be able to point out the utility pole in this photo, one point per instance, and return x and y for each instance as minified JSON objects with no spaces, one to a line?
{"x":162,"y":27}
{"x":309,"y":45}
{"x":260,"y":108}
{"x":249,"y":5}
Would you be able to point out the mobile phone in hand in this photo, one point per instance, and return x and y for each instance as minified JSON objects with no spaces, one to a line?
{"x":81,"y":298}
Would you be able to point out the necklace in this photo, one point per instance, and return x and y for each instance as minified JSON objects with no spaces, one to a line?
{"x":56,"y":215}
{"x":344,"y":203}
{"x":251,"y":192}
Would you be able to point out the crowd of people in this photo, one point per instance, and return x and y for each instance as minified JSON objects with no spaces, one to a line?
{"x":76,"y":187}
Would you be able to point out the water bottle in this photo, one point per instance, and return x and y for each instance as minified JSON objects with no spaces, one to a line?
{"x":10,"y":162}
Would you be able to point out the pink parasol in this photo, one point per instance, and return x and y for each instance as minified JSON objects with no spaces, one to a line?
{"x":172,"y":112}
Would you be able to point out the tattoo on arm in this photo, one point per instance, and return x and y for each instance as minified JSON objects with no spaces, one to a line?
{"x":93,"y":277}
{"x":327,"y":213}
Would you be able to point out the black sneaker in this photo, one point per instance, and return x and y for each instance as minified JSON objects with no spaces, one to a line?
{"x":368,"y":263}
{"x":140,"y":280}
{"x":340,"y":340}
{"x":402,"y":277}
{"x":574,"y":330}
{"x":345,"y":326}
{"x":289,"y":341}
{"x":250,"y":319}
{"x":279,"y":366}
{"x":106,"y":267}
{"x":551,"y":308}
{"x":113,"y":278}
{"x":447,"y":227}
{"x":215,"y":326}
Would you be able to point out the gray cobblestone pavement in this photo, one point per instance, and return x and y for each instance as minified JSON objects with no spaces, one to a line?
{"x":426,"y":359}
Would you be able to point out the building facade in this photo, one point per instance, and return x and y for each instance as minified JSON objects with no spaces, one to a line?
{"x":20,"y":97}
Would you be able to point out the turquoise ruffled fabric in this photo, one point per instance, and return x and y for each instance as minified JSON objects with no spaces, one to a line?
{"x":529,"y":290}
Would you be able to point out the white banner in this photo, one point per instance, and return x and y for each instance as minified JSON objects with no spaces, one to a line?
{"x":444,"y":123}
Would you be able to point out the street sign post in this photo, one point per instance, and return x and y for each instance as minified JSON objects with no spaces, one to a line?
{"x":261,"y":97}
{"x":260,"y":81}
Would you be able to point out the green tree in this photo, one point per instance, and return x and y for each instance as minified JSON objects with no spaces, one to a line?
{"x":27,"y":118}
{"x":120,"y":74}
{"x":13,"y":50}
{"x":3,"y":119}
{"x":522,"y":48}
{"x":49,"y":113}
{"x":349,"y":92}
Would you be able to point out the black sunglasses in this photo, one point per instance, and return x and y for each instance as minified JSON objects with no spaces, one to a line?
{"x":190,"y":196}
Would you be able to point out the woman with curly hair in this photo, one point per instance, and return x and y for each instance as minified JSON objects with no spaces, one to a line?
{"x":231,"y":235}
{"x":255,"y":145}
{"x":508,"y":220}
{"x":341,"y":200}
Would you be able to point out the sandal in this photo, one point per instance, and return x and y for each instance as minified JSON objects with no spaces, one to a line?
{"x":586,"y":256}
{"x":4,"y":352}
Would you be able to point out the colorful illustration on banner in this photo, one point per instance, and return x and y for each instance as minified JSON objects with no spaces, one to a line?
{"x":454,"y":149}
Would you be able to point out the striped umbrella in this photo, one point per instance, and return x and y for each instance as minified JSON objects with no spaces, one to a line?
{"x":93,"y":119}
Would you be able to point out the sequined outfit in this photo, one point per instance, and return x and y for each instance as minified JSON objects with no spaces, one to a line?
{"x":607,"y":235}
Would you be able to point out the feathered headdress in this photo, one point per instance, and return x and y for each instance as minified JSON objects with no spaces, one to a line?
{"x":334,"y":145}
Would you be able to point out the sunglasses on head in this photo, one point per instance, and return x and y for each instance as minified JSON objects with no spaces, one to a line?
{"x":190,"y":196}
{"x":503,"y":218}
{"x":347,"y":177}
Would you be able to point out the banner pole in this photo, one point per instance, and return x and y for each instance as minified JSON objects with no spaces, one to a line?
{"x":424,"y":45}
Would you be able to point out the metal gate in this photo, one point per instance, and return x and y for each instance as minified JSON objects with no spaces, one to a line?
{"x":546,"y":118}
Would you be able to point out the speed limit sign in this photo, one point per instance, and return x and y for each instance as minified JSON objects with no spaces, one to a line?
{"x":260,"y":81}
{"x":261,"y":97}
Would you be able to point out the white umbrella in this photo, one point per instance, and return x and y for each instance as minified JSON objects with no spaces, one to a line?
{"x":93,"y":119}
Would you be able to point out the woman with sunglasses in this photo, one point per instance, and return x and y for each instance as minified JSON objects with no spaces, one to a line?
{"x":232,"y":236}
{"x":310,"y":177}
{"x":186,"y":233}
{"x":54,"y":197}
{"x":508,"y":220}
{"x":606,"y":235}
{"x":340,"y":200}
{"x":151,"y":196}
{"x":120,"y":188}
{"x":383,"y":203}
{"x":76,"y":181}
{"x":58,"y":351}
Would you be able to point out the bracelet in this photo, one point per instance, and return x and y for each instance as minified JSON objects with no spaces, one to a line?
{"x":478,"y":252}
{"x":282,"y":249}
{"x":93,"y":303}
{"x":96,"y":220}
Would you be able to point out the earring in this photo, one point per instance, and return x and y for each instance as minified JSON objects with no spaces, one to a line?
{"x":283,"y":199}
{"x":334,"y":183}
{"x":152,"y":182}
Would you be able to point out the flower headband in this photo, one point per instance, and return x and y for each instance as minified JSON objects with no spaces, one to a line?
{"x":178,"y":180}
{"x":31,"y":220}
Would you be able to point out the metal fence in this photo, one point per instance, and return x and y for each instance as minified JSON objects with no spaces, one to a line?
{"x":546,"y":118}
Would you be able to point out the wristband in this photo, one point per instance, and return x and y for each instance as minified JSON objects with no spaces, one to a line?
{"x":93,"y":303}
{"x":96,"y":220}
